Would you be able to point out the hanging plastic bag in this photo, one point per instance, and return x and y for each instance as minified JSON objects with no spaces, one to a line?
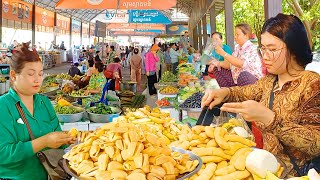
{"x":234,"y":123}
{"x":206,"y":54}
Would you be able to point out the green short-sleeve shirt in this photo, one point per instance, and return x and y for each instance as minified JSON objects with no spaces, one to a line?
{"x":18,"y":161}
{"x":97,"y":81}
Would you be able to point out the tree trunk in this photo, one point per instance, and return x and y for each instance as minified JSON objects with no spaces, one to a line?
{"x":309,"y":32}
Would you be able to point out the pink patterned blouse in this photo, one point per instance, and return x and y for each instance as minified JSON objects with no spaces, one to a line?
{"x":252,"y":61}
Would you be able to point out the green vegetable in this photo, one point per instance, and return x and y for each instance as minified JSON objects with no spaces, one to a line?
{"x":138,"y":101}
{"x":67,"y":109}
{"x":100,"y":109}
{"x":168,"y":77}
{"x":110,"y":98}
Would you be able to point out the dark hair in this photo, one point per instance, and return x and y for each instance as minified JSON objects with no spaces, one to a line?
{"x":116,"y":60}
{"x":91,"y":63}
{"x":220,"y":35}
{"x":136,"y":51}
{"x":172,"y":44}
{"x":76,"y":64}
{"x":112,"y":47}
{"x":97,"y":52}
{"x":99,"y":66}
{"x":245,"y":28}
{"x":22,"y":56}
{"x":292,"y":32}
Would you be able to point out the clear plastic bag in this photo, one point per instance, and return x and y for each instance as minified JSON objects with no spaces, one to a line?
{"x":206,"y":54}
{"x":234,"y":123}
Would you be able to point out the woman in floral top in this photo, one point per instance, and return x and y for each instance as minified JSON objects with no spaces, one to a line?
{"x":97,"y":80}
{"x":286,"y":104}
{"x":112,"y":55}
{"x":244,"y":66}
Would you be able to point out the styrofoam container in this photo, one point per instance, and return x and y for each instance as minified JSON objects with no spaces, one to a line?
{"x":81,"y":126}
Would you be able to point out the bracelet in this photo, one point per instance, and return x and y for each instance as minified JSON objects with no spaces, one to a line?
{"x":225,"y":55}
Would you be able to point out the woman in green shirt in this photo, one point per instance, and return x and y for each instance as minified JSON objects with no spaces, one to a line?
{"x":17,"y":150}
{"x":97,"y":80}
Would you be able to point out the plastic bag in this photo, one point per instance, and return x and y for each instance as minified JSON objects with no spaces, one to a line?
{"x":234,"y":123}
{"x":206,"y":54}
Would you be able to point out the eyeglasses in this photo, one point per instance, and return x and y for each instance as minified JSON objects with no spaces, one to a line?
{"x":270,"y":53}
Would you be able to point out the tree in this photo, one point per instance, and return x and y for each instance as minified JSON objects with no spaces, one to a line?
{"x":309,"y":12}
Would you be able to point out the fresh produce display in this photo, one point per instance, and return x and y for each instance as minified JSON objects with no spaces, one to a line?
{"x":67,"y":88}
{"x":76,"y":78}
{"x":183,"y":59}
{"x":50,"y":79}
{"x":67,"y":109}
{"x":163,"y":103}
{"x":168,"y":77}
{"x":186,"y":68}
{"x":2,"y":80}
{"x":64,"y":76}
{"x":138,"y":101}
{"x":79,"y":93}
{"x":123,"y":150}
{"x":185,"y":78}
{"x":160,"y":121}
{"x":188,"y":91}
{"x":223,"y":154}
{"x":48,"y":86}
{"x":126,"y":98}
{"x":111,"y":98}
{"x":126,"y":93}
{"x":193,"y":101}
{"x":169,"y":90}
{"x":237,"y":126}
{"x":100,"y":108}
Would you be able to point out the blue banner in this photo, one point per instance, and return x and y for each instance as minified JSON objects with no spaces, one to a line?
{"x":148,"y":16}
{"x":148,"y":30}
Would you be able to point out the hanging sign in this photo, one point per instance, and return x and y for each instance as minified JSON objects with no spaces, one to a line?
{"x":17,"y":10}
{"x":113,"y":4}
{"x":136,"y":26}
{"x":148,"y":16}
{"x":100,"y":30}
{"x":176,"y":29}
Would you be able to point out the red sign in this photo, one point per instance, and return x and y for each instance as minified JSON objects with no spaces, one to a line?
{"x":113,"y":4}
{"x":63,"y":23}
{"x":17,"y":10}
{"x":44,"y":17}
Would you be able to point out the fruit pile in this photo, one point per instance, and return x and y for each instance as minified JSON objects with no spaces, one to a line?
{"x":223,"y":154}
{"x":185,"y":78}
{"x":79,"y":93}
{"x":64,"y":76}
{"x":163,"y":103}
{"x":188,"y":91}
{"x":193,"y":101}
{"x":122,"y":150}
{"x":169,"y":90}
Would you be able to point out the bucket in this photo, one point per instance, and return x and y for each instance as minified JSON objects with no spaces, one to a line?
{"x":2,"y":88}
{"x":131,"y":86}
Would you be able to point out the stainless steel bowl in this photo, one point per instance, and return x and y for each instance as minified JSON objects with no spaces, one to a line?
{"x":70,"y":118}
{"x":104,"y":118}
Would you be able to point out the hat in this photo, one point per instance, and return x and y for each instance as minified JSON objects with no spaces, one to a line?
{"x":155,"y":47}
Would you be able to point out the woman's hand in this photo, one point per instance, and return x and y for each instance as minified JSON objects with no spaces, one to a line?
{"x":251,"y":111}
{"x":212,"y":97}
{"x":220,"y":51}
{"x":57,"y":139}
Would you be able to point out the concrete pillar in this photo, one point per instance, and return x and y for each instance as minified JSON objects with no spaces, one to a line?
{"x":70,"y":33}
{"x":272,"y":8}
{"x":54,"y":28}
{"x":229,"y":23}
{"x":33,"y":23}
{"x":1,"y":23}
{"x":195,"y":38}
{"x":81,"y":33}
{"x":213,"y":19}
{"x":200,"y":36}
{"x":204,"y":28}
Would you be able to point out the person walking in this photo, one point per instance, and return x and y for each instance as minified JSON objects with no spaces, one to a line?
{"x":135,"y":64}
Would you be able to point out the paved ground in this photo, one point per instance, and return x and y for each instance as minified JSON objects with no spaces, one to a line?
{"x":64,"y":67}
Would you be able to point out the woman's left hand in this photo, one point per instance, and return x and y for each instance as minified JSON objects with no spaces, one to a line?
{"x":219,"y":50}
{"x":251,"y":111}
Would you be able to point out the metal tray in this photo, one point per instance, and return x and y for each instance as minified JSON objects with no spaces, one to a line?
{"x":192,"y":156}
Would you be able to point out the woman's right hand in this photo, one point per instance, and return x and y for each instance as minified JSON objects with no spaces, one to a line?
{"x":57,"y":139}
{"x":213,"y":97}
